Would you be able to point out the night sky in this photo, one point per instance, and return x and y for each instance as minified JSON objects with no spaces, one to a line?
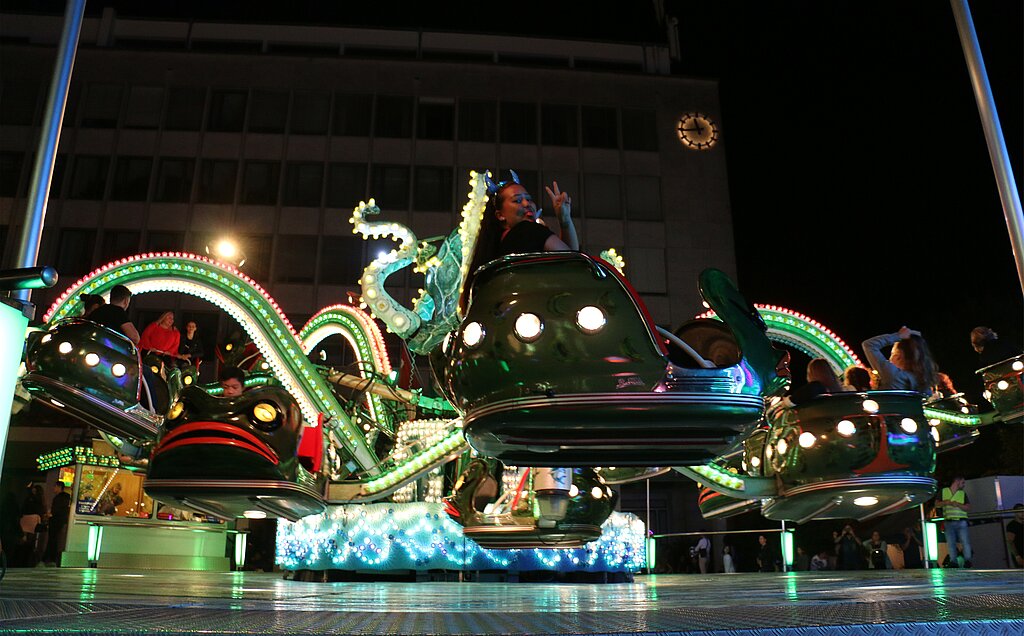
{"x":862,"y":191}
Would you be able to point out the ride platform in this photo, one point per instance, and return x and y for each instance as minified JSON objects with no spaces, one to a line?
{"x":101,"y":601}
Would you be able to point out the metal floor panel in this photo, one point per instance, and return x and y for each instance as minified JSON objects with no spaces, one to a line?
{"x":74,"y":601}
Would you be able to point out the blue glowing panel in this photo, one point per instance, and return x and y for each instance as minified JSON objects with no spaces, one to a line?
{"x":420,"y":536}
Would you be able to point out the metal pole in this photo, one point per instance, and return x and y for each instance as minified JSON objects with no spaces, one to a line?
{"x":782,"y":546}
{"x":993,"y":132}
{"x":648,"y":538}
{"x":42,"y":171}
{"x":924,"y":538}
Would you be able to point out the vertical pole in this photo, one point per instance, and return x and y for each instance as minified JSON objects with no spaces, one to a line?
{"x":647,"y":539}
{"x":993,"y":132}
{"x":783,"y":547}
{"x":46,"y":152}
{"x":924,"y":539}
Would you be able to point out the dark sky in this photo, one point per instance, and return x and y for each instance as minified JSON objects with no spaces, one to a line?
{"x":861,"y":187}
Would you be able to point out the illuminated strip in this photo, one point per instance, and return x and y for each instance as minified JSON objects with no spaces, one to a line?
{"x":952,"y":418}
{"x":403,"y":471}
{"x":365,"y":338}
{"x":719,"y":477}
{"x":246,"y":302}
{"x":805,"y":334}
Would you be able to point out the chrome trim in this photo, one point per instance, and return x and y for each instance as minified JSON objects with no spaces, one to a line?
{"x":855,"y":482}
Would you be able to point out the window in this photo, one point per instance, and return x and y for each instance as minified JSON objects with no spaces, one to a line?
{"x":558,"y":125}
{"x":118,"y":244}
{"x":165,"y":241}
{"x":432,"y":190}
{"x":102,"y":106}
{"x":647,"y":269}
{"x":303,"y":183}
{"x":518,"y":123}
{"x":131,"y":179}
{"x":10,"y":172}
{"x":89,"y":177}
{"x":341,"y":260}
{"x":310,"y":113}
{"x":260,"y":182}
{"x":227,"y":111}
{"x":74,"y":251}
{"x":477,"y":120}
{"x":346,"y":185}
{"x":217,"y":181}
{"x":268,"y":112}
{"x":174,"y":180}
{"x":352,"y":114}
{"x":390,"y":187}
{"x":603,"y":196}
{"x":257,"y":248}
{"x":600,"y":127}
{"x":639,"y":129}
{"x":436,"y":120}
{"x":643,"y":198}
{"x":394,"y":117}
{"x":145,"y":104}
{"x":567,"y":182}
{"x":185,"y":108}
{"x":296,"y":261}
{"x":60,"y":165}
{"x":18,"y":102}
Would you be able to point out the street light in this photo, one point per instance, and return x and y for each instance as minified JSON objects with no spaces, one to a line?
{"x":226,"y":250}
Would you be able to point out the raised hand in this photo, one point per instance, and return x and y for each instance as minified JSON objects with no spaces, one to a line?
{"x":560,"y":201}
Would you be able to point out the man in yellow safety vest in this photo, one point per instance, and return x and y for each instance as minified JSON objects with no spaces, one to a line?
{"x":955,"y":506}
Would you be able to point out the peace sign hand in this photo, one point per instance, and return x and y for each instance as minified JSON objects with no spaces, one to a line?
{"x":561,"y":201}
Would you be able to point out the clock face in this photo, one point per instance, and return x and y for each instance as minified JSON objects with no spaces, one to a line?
{"x":697,"y":131}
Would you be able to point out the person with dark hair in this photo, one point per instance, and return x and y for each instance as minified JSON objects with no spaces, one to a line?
{"x":1015,"y":537}
{"x":114,"y":315}
{"x":911,"y":549}
{"x":767,"y":561}
{"x":191,"y":347}
{"x":990,"y":348}
{"x":849,"y":550}
{"x":510,"y":224}
{"x":955,"y":506}
{"x":703,"y":552}
{"x":857,"y":378}
{"x":90,"y":302}
{"x":878,"y":552}
{"x":232,"y":380}
{"x":60,"y":512}
{"x":908,"y":368}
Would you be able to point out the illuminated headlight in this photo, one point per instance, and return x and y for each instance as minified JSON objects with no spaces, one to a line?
{"x":529,"y":327}
{"x":117,"y":369}
{"x":91,"y":359}
{"x":1017,"y":365}
{"x":909,"y":425}
{"x":573,"y":490}
{"x":965,"y":410}
{"x":265,"y":366}
{"x":152,"y":367}
{"x":590,"y":319}
{"x":1002,"y":385}
{"x":768,"y":451}
{"x":782,"y":446}
{"x":755,"y":462}
{"x":807,"y":439}
{"x":596,"y":492}
{"x":65,"y":347}
{"x":473,"y":334}
{"x":254,"y":514}
{"x":934,"y":421}
{"x":176,"y":410}
{"x":265,"y":412}
{"x":865,"y":501}
{"x":987,"y":394}
{"x":46,"y":338}
{"x":935,"y":435}
{"x":846,"y":428}
{"x":187,"y":380}
{"x":870,"y":406}
{"x":228,"y":347}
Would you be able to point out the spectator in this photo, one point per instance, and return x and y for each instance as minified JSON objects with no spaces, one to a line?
{"x":802,"y":561}
{"x":703,"y":552}
{"x":908,"y":368}
{"x":955,"y":506}
{"x":191,"y":347}
{"x":33,"y":513}
{"x":1015,"y":537}
{"x":858,"y":379}
{"x":766,"y":558}
{"x":990,"y":348}
{"x":114,"y":315}
{"x":110,"y":500}
{"x":60,"y":512}
{"x":849,"y":550}
{"x":911,"y":547}
{"x":161,"y":338}
{"x":728,"y":564}
{"x":878,"y":552}
{"x":232,"y":380}
{"x":819,"y":561}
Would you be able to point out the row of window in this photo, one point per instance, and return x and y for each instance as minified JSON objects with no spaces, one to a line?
{"x":341,"y":114}
{"x":298,"y":259}
{"x":311,"y":184}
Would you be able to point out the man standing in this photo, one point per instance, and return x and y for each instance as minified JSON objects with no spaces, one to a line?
{"x":60,"y":511}
{"x":1015,"y":537}
{"x":115,"y":314}
{"x":955,"y":506}
{"x":703,"y":552}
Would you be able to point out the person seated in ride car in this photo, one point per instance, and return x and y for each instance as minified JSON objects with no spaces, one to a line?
{"x":161,"y":338}
{"x":232,"y":380}
{"x":821,"y":380}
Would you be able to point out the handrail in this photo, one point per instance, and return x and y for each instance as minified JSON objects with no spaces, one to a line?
{"x":679,"y":342}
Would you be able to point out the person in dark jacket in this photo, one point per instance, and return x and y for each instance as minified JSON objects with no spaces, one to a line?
{"x":990,"y":348}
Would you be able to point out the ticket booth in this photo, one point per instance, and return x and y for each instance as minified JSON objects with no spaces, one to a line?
{"x":114,"y":524}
